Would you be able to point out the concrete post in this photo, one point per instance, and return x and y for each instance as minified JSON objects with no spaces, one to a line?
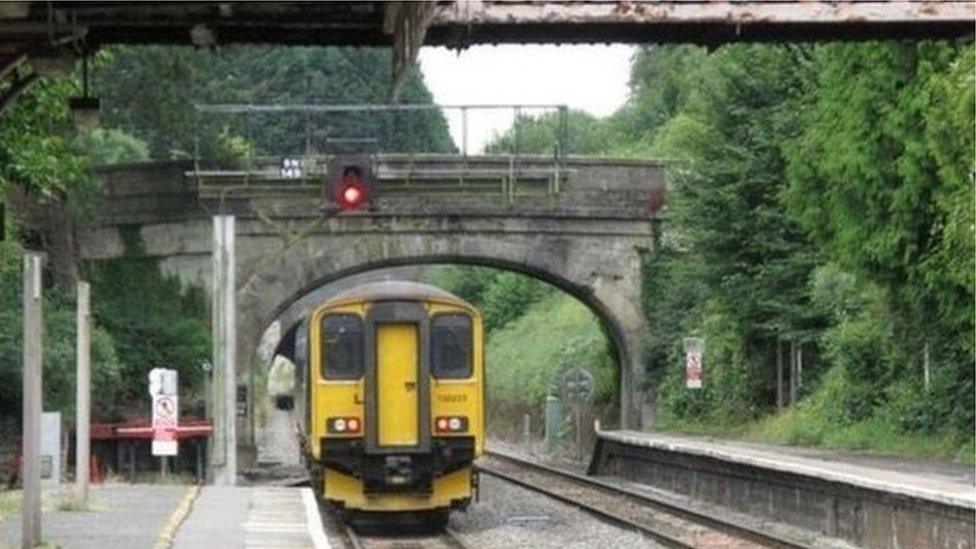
{"x":33,"y":399}
{"x":225,"y":345}
{"x":83,"y":395}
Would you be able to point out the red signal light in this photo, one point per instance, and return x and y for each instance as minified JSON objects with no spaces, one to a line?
{"x":352,"y":191}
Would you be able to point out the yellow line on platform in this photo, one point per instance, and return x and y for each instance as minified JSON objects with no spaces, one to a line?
{"x":166,"y":536}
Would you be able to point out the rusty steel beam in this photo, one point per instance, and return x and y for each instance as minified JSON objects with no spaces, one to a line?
{"x":704,"y":21}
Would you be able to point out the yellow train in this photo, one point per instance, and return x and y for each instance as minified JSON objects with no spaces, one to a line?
{"x":394,"y":376}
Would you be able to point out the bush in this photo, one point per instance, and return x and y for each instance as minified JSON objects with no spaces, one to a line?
{"x":59,"y":315}
{"x":526,"y":357}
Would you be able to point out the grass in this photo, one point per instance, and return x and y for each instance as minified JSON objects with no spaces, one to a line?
{"x":69,"y":503}
{"x":9,"y":504}
{"x":803,"y":426}
{"x":526,"y":357}
{"x":873,"y":435}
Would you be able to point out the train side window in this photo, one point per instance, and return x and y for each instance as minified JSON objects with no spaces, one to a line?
{"x":450,"y":346}
{"x":342,"y":346}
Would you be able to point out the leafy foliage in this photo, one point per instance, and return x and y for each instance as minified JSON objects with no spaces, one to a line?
{"x":35,"y":147}
{"x":575,"y":131}
{"x":164,"y":114}
{"x":819,"y":190}
{"x":526,"y":357}
{"x":502,"y":296}
{"x":154,"y":321}
{"x":111,"y":146}
{"x":58,"y":312}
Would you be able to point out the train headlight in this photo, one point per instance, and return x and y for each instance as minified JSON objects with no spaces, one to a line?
{"x":451,"y":424}
{"x":343,"y":425}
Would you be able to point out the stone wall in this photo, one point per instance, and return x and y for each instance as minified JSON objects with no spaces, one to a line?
{"x":586,"y":236}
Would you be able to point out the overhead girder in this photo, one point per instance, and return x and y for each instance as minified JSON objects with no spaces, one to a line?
{"x":26,"y":27}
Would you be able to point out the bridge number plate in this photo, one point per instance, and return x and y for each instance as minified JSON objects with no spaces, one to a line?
{"x":694,"y":349}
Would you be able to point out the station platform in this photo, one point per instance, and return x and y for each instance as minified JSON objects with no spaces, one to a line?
{"x":124,"y":516}
{"x":870,"y":500}
{"x":252,"y":517}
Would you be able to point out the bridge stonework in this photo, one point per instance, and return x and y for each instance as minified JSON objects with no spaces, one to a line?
{"x":581,"y":226}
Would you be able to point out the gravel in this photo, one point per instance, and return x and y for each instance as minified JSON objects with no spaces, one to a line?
{"x":511,"y":516}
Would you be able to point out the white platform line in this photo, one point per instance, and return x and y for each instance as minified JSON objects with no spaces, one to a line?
{"x":313,"y":521}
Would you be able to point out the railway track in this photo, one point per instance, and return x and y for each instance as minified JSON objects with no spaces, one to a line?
{"x":446,"y":540}
{"x":663,"y":521}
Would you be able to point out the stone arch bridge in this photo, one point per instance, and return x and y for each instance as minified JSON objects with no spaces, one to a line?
{"x":581,"y":225}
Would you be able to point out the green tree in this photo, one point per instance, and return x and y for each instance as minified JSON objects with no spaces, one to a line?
{"x":882,"y":179}
{"x":729,"y":230}
{"x":164,"y":114}
{"x":581,"y":133}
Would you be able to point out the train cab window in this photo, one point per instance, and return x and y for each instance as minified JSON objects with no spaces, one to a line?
{"x":342,"y":346}
{"x":450,"y":344}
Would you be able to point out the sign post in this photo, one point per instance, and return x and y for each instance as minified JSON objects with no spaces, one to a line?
{"x":694,"y":349}
{"x":164,"y":389}
{"x":578,"y":386}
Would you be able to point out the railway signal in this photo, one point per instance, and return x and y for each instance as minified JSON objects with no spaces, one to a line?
{"x":350,"y":184}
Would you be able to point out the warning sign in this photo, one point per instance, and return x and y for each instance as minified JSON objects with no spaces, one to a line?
{"x":165,"y":411}
{"x":165,"y":420}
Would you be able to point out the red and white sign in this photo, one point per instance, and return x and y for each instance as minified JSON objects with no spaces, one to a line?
{"x":165,"y":411}
{"x":165,"y":421}
{"x":694,"y":348}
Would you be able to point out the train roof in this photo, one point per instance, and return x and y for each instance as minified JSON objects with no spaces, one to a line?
{"x":393,"y":290}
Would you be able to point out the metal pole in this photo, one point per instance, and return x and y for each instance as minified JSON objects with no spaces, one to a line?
{"x":464,"y":132}
{"x":33,"y":374}
{"x":792,"y":371}
{"x":779,"y":373}
{"x":799,"y":367}
{"x":83,"y":396}
{"x":526,"y":430}
{"x":926,"y":365}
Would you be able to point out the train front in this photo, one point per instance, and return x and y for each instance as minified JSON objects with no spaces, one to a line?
{"x":395,"y":394}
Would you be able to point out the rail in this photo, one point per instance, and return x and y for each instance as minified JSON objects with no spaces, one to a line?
{"x":657,"y":518}
{"x":448,"y":539}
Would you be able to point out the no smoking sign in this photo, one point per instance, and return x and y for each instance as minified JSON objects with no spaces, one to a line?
{"x":165,"y":411}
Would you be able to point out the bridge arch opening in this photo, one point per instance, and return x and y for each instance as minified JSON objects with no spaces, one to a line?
{"x":283,"y":319}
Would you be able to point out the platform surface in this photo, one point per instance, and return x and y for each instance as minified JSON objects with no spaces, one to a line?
{"x":121,"y":516}
{"x":943,"y":482}
{"x":252,"y":517}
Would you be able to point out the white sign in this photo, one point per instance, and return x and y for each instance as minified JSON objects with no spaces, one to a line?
{"x":163,"y":381}
{"x":163,"y":386}
{"x":694,"y":349}
{"x":51,"y":448}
